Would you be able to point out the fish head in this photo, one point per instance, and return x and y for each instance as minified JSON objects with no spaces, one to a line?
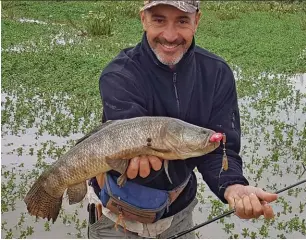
{"x":189,"y":140}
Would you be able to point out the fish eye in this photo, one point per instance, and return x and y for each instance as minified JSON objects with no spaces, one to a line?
{"x":204,"y":131}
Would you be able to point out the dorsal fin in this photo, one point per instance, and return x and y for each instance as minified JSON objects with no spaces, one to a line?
{"x":96,"y":129}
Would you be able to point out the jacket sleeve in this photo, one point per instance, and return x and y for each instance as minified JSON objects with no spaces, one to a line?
{"x":224,"y":118}
{"x":122,"y":98}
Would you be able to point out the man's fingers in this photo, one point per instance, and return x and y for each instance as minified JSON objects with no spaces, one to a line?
{"x":155,"y":162}
{"x":100,"y":179}
{"x":144,"y":166}
{"x":244,"y":209}
{"x":257,"y":206}
{"x":248,"y":209}
{"x":132,"y":170}
{"x":268,"y":211}
{"x":239,"y":208}
{"x":250,"y":202}
{"x":266,"y":196}
{"x":231,"y":202}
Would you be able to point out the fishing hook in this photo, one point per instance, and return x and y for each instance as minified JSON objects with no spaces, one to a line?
{"x":227,"y":213}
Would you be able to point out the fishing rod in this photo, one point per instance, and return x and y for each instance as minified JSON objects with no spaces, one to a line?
{"x":228,"y":213}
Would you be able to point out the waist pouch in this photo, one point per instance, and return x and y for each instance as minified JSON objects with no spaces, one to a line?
{"x":137,"y":202}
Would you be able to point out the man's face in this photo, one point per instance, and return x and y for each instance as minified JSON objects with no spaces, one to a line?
{"x":169,"y":32}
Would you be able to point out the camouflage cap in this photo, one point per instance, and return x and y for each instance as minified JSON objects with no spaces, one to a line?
{"x":189,"y":6}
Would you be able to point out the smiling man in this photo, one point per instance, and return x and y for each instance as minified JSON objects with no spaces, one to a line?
{"x":170,"y":35}
{"x":167,"y":74}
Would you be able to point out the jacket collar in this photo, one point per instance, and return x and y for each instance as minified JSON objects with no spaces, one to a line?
{"x":183,"y":62}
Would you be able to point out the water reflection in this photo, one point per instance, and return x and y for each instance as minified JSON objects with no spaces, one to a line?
{"x":299,"y":82}
{"x":59,"y":39}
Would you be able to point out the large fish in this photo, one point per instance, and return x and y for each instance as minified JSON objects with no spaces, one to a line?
{"x":111,"y":146}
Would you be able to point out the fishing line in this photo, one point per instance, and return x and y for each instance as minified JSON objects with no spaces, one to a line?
{"x":228,"y":213}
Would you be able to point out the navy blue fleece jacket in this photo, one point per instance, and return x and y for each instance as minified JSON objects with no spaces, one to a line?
{"x":201,"y":90}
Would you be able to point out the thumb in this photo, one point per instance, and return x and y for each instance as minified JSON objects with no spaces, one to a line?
{"x":266,"y":196}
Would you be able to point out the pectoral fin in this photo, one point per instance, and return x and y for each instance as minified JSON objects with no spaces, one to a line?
{"x":121,"y":166}
{"x":164,"y":154}
{"x":166,"y":167}
{"x":122,"y":179}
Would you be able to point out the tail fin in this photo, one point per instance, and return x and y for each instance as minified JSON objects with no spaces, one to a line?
{"x":41,"y":204}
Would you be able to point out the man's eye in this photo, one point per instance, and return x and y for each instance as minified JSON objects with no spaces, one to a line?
{"x":183,"y":22}
{"x":158,"y":20}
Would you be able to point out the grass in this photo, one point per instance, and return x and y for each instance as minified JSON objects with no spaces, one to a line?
{"x":50,"y":76}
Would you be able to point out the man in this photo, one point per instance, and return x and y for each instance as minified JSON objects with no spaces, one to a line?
{"x":166,"y":74}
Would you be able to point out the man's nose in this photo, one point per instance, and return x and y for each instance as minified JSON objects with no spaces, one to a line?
{"x":170,"y":33}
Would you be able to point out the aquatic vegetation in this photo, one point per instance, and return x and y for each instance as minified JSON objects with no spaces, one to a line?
{"x":50,"y":97}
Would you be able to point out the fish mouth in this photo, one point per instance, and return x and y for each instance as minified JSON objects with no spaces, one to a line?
{"x":210,"y":143}
{"x":214,"y":141}
{"x":215,"y":137}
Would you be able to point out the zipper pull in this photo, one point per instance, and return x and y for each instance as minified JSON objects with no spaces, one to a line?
{"x":174,"y":77}
{"x":120,"y":219}
{"x":119,"y":209}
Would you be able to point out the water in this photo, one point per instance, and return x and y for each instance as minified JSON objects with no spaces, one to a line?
{"x":26,"y":20}
{"x":292,"y":116}
{"x":62,"y":38}
{"x":23,"y":147}
{"x":20,"y":48}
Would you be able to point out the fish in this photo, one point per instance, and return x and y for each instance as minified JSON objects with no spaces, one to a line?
{"x":110,"y":146}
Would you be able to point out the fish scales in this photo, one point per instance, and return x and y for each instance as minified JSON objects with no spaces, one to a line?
{"x":88,"y":159}
{"x":111,"y":147}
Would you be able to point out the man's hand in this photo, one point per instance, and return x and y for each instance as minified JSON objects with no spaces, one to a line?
{"x":142,"y":165}
{"x":250,"y":202}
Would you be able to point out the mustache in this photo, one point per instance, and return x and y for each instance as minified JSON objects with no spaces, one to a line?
{"x":174,"y":43}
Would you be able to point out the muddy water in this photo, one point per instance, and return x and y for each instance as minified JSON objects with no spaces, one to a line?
{"x":68,"y":225}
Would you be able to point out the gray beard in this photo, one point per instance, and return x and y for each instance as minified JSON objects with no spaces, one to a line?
{"x":169,"y":63}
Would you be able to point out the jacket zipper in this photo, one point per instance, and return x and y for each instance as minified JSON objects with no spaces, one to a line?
{"x":176,"y":94}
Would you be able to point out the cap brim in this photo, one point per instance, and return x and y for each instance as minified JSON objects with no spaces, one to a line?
{"x":185,"y":8}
